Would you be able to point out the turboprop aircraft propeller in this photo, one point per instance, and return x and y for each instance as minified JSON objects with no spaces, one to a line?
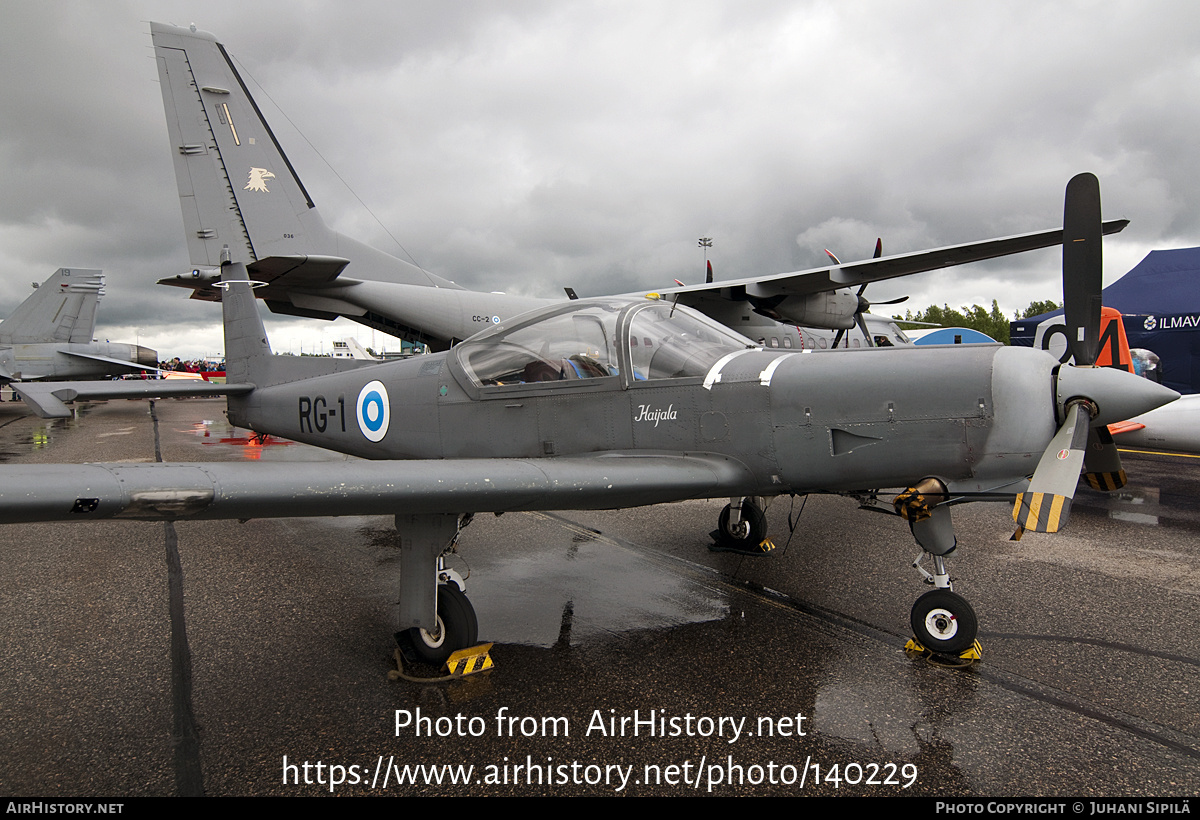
{"x":863,"y":304}
{"x":1088,"y":398}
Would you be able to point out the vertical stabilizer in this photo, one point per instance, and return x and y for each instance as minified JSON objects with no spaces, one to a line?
{"x":62,"y":310}
{"x":236,"y":186}
{"x":247,"y":351}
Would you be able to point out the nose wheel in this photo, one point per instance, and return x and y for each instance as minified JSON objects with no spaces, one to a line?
{"x":944,"y":622}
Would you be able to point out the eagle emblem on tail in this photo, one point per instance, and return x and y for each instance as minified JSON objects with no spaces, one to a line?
{"x":258,"y":180}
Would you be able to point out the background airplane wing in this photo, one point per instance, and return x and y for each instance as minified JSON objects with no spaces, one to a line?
{"x":153,"y":492}
{"x":817,"y":280}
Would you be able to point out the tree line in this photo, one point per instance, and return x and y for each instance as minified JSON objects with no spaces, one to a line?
{"x":992,"y":322}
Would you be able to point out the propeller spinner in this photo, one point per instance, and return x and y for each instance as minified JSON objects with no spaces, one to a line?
{"x":863,"y":304}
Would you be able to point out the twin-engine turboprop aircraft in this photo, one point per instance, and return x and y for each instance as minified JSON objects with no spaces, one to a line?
{"x":620,"y":402}
{"x":243,"y":201}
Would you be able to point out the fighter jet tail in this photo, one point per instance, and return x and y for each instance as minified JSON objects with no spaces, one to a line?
{"x":61,"y":310}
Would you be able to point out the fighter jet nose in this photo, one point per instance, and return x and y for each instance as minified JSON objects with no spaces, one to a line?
{"x":1117,"y":394}
{"x":146,"y":357}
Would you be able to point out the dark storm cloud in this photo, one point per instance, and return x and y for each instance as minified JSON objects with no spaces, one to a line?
{"x":527,"y":146}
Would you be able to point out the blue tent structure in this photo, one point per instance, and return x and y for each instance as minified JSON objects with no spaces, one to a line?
{"x":949,"y":336}
{"x":1159,"y":302}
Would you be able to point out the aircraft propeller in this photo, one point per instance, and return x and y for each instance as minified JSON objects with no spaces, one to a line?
{"x":1087,"y":396}
{"x":863,"y":304}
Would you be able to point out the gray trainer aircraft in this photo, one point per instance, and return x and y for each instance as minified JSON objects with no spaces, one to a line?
{"x":242,"y":200}
{"x":619,"y":402}
{"x":49,"y":335}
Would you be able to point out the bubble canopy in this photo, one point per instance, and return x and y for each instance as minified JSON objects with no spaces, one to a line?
{"x":611,"y":342}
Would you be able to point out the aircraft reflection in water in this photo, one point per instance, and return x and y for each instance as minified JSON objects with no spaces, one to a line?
{"x":619,"y":402}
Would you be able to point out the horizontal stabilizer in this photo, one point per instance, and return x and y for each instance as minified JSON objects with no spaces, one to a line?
{"x":308,"y":272}
{"x":49,"y":399}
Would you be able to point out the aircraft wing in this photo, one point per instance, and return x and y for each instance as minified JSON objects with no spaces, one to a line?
{"x":48,"y":399}
{"x":110,"y":360}
{"x":225,"y":490}
{"x":818,"y":280}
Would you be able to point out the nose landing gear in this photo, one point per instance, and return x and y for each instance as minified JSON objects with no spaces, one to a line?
{"x":942,"y":621}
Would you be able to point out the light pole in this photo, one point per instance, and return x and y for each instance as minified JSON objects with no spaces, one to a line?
{"x":706,"y":243}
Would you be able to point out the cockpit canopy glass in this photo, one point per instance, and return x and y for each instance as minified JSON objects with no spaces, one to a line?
{"x":598,"y":339}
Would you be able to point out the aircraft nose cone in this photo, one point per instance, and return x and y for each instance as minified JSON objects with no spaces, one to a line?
{"x":1117,"y":394}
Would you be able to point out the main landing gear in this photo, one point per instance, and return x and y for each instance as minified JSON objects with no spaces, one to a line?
{"x":435,"y":615}
{"x":742,"y":528}
{"x":942,"y":621}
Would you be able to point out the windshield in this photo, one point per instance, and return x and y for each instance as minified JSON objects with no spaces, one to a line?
{"x":667,"y":342}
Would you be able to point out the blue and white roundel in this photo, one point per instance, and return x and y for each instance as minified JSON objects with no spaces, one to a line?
{"x":373,"y":412}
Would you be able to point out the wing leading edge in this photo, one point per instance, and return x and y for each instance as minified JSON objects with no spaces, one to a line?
{"x":818,"y":280}
{"x":227,"y":490}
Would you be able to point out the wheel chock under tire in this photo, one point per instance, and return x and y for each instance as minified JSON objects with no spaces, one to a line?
{"x":459,"y":665}
{"x":470,"y":660}
{"x":969,"y":655}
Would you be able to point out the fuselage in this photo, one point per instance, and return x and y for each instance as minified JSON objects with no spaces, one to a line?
{"x":74,"y":361}
{"x":978,"y":418}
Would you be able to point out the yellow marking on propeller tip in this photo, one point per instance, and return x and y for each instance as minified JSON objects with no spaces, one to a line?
{"x":1056,"y":510}
{"x":1035,"y":508}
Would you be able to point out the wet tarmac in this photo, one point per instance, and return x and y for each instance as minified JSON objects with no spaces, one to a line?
{"x":252,"y":658}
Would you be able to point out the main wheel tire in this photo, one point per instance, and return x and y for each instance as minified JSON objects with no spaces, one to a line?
{"x":944,"y":622}
{"x":459,"y":627}
{"x":746,"y":536}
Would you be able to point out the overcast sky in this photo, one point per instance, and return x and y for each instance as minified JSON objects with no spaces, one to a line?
{"x":527,"y":146}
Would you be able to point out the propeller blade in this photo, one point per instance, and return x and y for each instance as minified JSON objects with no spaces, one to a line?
{"x":878,"y":248}
{"x":1083,"y":267}
{"x":829,"y":253}
{"x":862,"y":325}
{"x":1045,"y":506}
{"x":1102,"y":464}
{"x":838,"y":338}
{"x":708,"y":274}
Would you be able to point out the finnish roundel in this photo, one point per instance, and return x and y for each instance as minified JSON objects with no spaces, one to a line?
{"x":373,"y":412}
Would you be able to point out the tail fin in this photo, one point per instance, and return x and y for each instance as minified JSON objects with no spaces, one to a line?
{"x":237,"y":188}
{"x":1114,"y":344}
{"x":1051,"y":335}
{"x":62,"y":309}
{"x":247,"y":351}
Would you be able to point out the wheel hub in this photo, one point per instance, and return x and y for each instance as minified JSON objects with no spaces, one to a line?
{"x":941,"y":624}
{"x":434,"y":641}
